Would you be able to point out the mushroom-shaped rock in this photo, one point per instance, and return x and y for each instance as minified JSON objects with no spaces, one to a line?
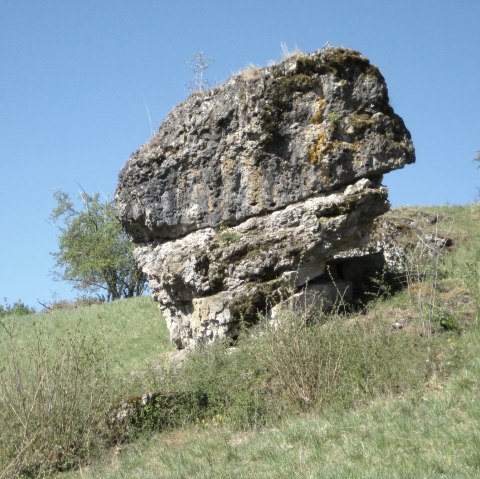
{"x":247,"y":190}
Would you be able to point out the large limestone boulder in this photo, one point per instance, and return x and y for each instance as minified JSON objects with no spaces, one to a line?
{"x":248,"y":190}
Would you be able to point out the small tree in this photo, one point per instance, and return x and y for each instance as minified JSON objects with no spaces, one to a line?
{"x":199,"y":63}
{"x":94,"y":253}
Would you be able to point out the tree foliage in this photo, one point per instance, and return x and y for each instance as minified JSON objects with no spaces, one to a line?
{"x":18,"y":308}
{"x":93,"y":252}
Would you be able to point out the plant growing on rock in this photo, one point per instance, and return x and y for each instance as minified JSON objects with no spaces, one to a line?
{"x":333,"y":119}
{"x":228,"y":236}
{"x":199,"y":63}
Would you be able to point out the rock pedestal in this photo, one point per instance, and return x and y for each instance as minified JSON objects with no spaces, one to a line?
{"x":248,"y":190}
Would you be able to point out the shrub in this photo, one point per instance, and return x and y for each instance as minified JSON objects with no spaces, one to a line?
{"x":332,"y":361}
{"x":59,"y":305}
{"x":18,"y":308}
{"x":471,"y":275}
{"x":199,"y":63}
{"x":229,"y":381}
{"x":53,"y":401}
{"x":338,"y":361}
{"x":422,"y":268}
{"x":229,"y":236}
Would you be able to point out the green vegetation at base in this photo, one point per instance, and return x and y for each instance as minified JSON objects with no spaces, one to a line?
{"x":390,"y":392}
{"x":432,"y":433}
{"x":131,"y":330}
{"x":61,"y":372}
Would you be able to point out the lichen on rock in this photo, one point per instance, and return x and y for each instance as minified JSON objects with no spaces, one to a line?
{"x":247,"y":190}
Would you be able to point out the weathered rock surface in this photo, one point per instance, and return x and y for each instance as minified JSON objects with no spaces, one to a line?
{"x":248,"y":190}
{"x":405,"y":235}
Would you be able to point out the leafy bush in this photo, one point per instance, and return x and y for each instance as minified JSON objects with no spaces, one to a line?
{"x":334,"y":361}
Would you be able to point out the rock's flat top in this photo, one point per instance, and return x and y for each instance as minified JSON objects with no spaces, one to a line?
{"x":265,"y":139}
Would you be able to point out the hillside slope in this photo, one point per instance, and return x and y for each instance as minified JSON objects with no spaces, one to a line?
{"x":393,"y":390}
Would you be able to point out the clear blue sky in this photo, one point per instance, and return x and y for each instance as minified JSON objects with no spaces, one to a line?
{"x":77,"y":78}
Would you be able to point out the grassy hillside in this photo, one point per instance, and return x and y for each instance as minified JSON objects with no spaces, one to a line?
{"x":347,"y":396}
{"x":132,"y":331}
{"x":61,"y":372}
{"x":432,"y":434}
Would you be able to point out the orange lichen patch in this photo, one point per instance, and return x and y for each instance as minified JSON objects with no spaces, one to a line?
{"x":319,"y":147}
{"x":211,"y":204}
{"x":317,"y":117}
{"x":323,"y":146}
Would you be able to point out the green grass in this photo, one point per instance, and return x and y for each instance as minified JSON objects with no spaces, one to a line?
{"x":132,"y":331}
{"x":433,"y":434}
{"x":60,"y":374}
{"x":345,"y":397}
